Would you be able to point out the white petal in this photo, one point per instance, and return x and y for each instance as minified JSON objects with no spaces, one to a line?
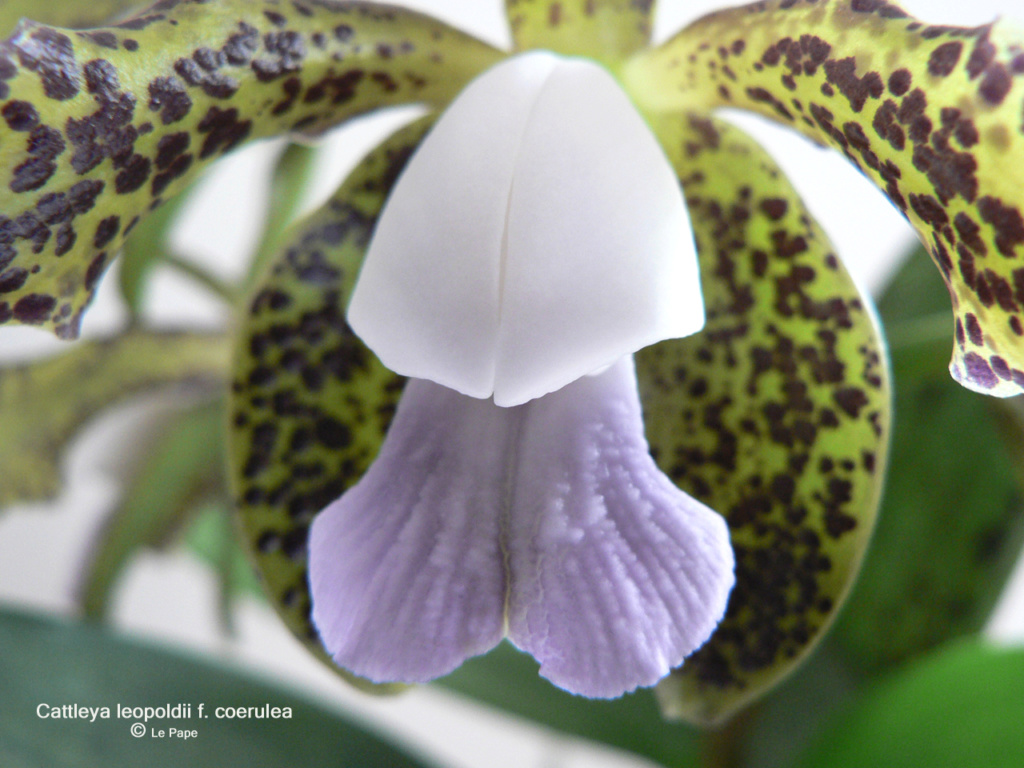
{"x":537,"y":235}
{"x":616,"y":574}
{"x":601,"y":260}
{"x":427,"y":297}
{"x":406,"y":570}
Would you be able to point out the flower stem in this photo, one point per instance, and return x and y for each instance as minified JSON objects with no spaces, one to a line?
{"x":200,"y":275}
{"x":725,"y":747}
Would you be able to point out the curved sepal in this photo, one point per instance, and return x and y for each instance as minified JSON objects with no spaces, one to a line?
{"x":43,"y":404}
{"x":605,"y":30}
{"x":102,"y":125}
{"x":310,"y":403}
{"x":930,"y":114}
{"x":776,"y":415}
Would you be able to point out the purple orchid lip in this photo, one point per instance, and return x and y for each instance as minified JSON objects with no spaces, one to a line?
{"x":537,"y":235}
{"x":547,"y":522}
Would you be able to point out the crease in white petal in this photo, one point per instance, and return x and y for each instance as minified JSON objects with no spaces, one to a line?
{"x":537,"y":235}
{"x":427,"y":295}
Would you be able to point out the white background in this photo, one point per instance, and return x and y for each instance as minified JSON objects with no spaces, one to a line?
{"x":171,"y":596}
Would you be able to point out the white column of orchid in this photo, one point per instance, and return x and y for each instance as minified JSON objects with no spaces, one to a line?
{"x":537,"y":235}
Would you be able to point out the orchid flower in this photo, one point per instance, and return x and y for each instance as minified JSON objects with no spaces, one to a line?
{"x":774,"y":415}
{"x":514,"y":493}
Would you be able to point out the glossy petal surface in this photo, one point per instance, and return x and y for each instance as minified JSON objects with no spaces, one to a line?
{"x":428,"y":296}
{"x":537,"y":235}
{"x":931,"y":114}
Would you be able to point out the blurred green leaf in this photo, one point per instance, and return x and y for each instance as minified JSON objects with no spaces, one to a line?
{"x":185,"y":465}
{"x":292,"y":174}
{"x":213,"y":534}
{"x":508,"y":680}
{"x":961,"y":706}
{"x":44,"y":403}
{"x":215,"y":538}
{"x":146,"y":247}
{"x":952,"y":521}
{"x":784,"y":720}
{"x":56,"y":663}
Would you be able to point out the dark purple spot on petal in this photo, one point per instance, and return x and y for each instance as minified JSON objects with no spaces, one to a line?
{"x":996,"y":84}
{"x":20,"y":115}
{"x":12,"y":279}
{"x":945,"y":58}
{"x":979,"y":372}
{"x":34,"y":308}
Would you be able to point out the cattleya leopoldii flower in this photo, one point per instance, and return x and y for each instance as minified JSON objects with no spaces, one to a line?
{"x":523,"y":256}
{"x":775,"y":414}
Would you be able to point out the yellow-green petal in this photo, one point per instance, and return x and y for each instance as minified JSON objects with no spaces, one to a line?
{"x":43,"y":404}
{"x":310,"y":403}
{"x":933,"y":115}
{"x":102,"y":125}
{"x":605,"y":30}
{"x":776,"y":415}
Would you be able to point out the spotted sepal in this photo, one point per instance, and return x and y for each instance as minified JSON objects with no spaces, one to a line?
{"x":310,"y":403}
{"x":776,"y":415}
{"x":43,"y":404}
{"x":931,"y":114}
{"x":605,"y":30}
{"x":100,"y":126}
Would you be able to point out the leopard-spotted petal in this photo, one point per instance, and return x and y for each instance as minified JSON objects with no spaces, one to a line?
{"x":103,"y":125}
{"x":776,"y":415}
{"x":605,"y":30}
{"x":932,"y":114}
{"x":310,"y":403}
